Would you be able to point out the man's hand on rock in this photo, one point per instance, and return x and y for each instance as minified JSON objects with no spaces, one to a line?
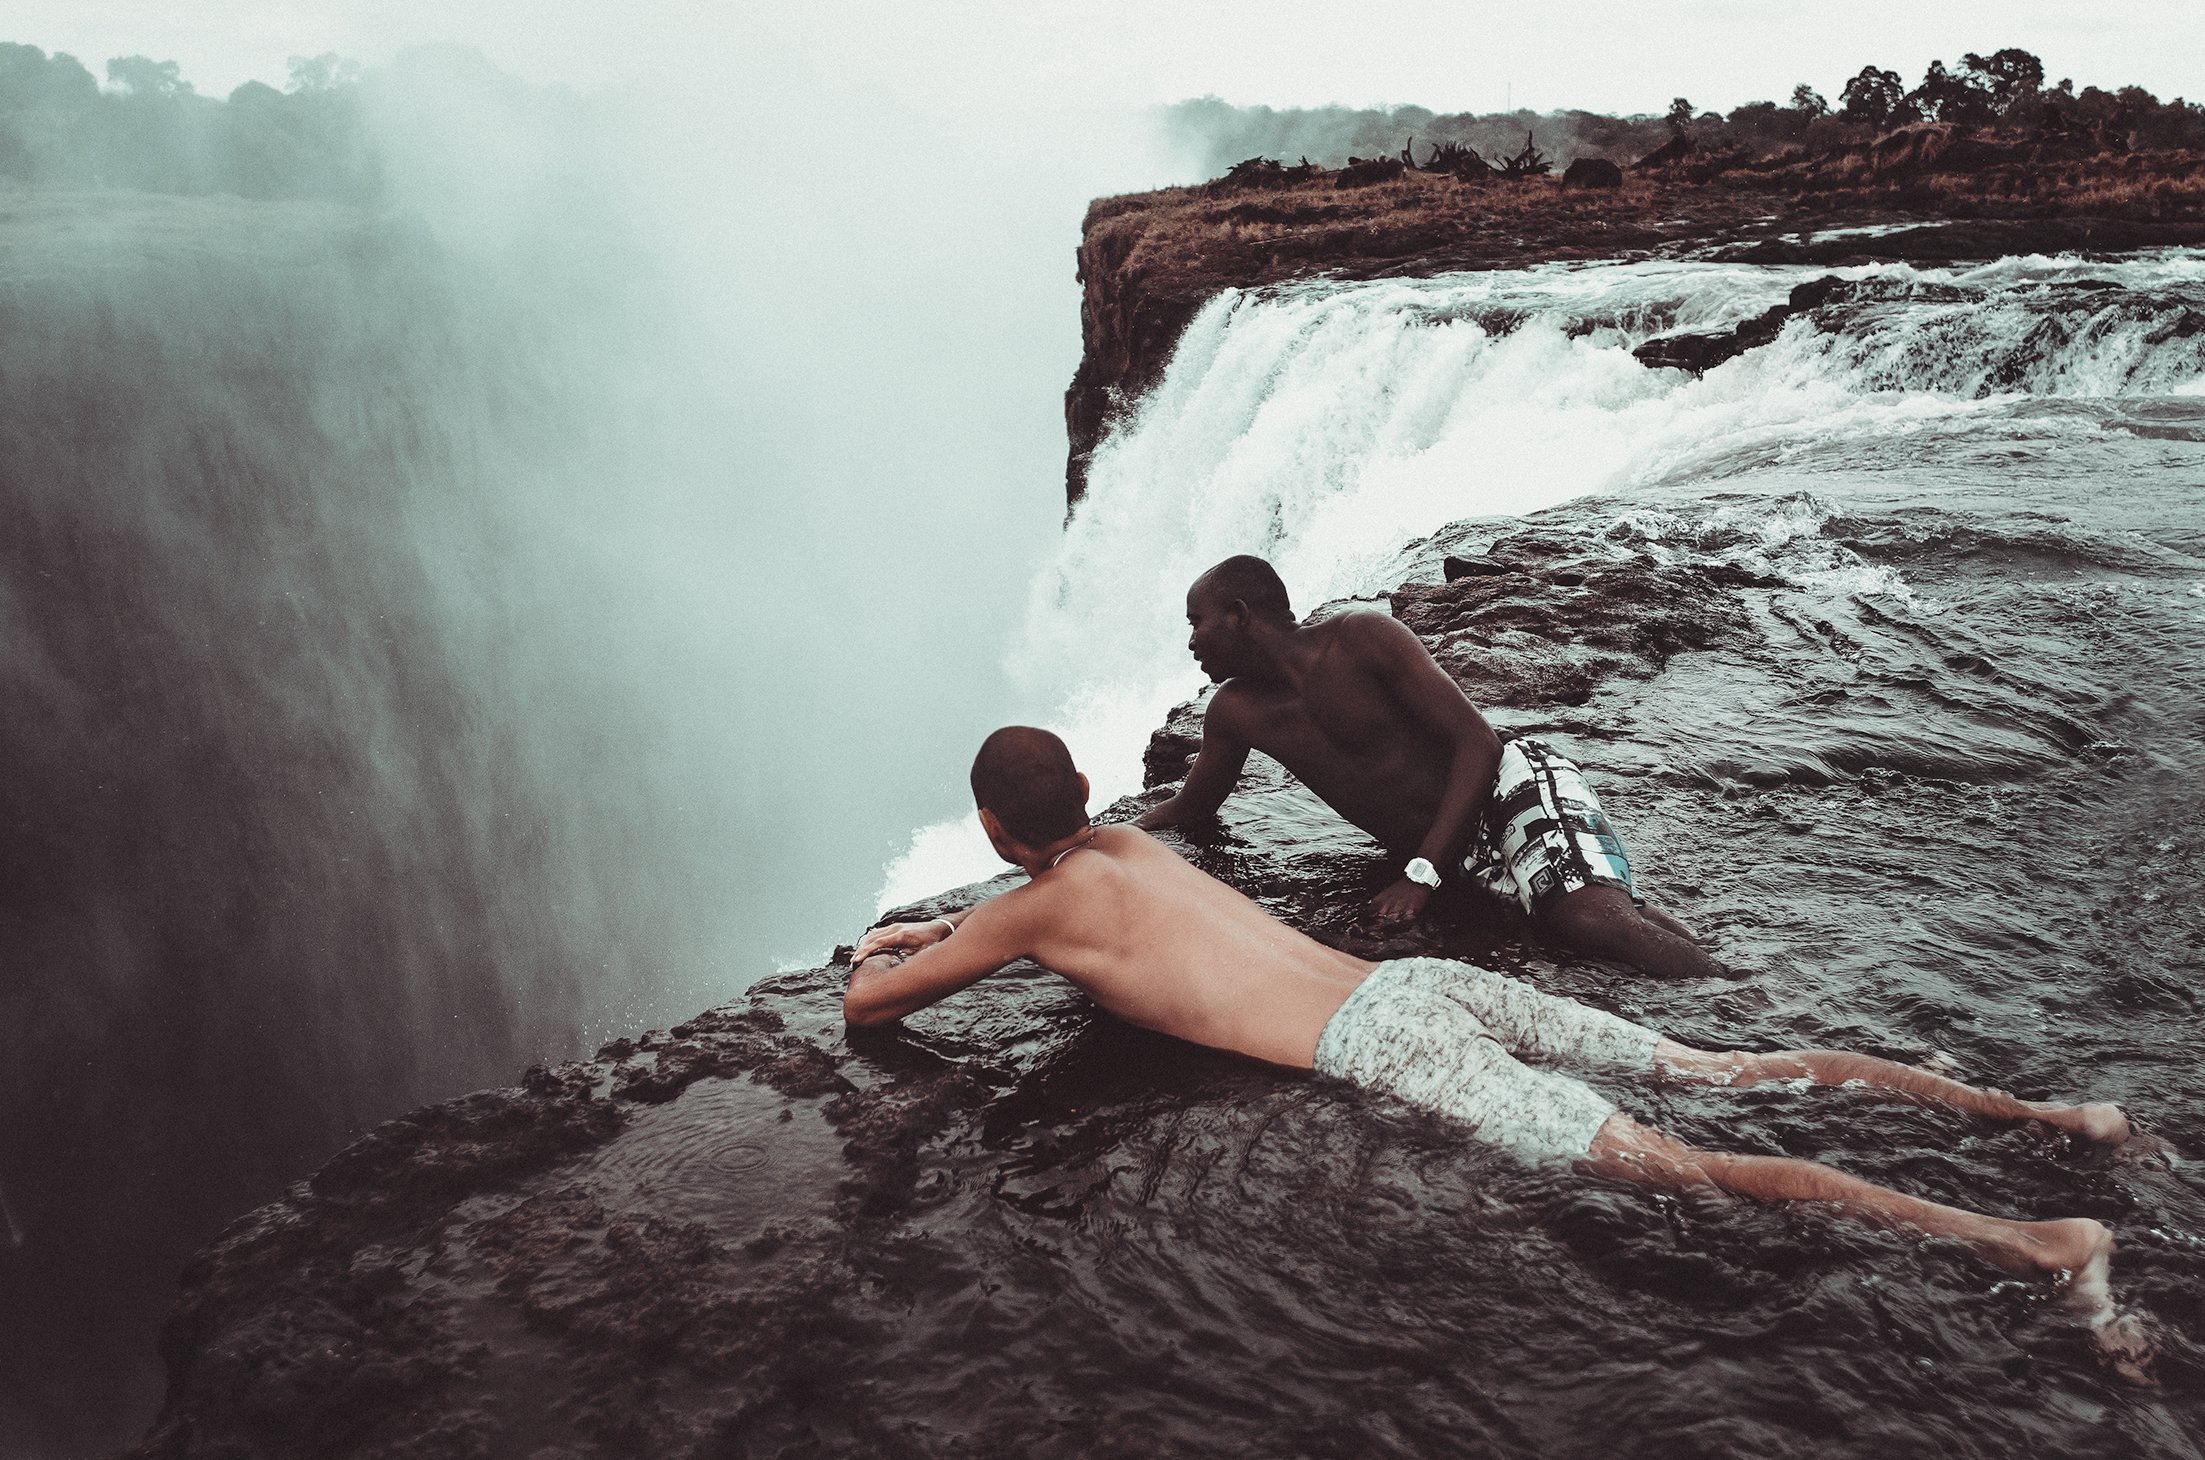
{"x":900,"y":938}
{"x":1162,"y":815}
{"x":1402,"y":901}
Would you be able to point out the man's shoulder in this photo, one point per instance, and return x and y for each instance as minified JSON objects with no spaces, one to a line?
{"x":1358,"y":625}
{"x":1086,"y":882}
{"x":1367,"y":639}
{"x":1231,"y":702}
{"x":1121,"y":839}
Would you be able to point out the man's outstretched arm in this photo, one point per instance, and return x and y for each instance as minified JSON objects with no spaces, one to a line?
{"x":884,"y":987}
{"x":1216,"y":770}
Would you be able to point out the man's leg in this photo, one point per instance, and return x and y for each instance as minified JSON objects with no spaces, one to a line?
{"x":1604,"y":922}
{"x":2075,"y":1249}
{"x":2077,"y":1252}
{"x":2097,"y":1122}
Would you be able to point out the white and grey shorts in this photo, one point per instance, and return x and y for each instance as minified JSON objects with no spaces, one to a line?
{"x":1454,"y":1038}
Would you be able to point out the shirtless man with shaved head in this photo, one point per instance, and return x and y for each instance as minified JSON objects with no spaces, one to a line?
{"x":1161,"y":944}
{"x":1361,"y":713}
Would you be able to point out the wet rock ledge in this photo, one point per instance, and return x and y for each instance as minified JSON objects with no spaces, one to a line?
{"x":757,"y":1233}
{"x":764,"y":1233}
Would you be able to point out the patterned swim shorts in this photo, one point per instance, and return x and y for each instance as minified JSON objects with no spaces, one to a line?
{"x":1544,"y":833}
{"x":1452,"y":1038}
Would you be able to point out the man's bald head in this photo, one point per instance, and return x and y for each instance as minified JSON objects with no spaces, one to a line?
{"x":1250,"y":580}
{"x":1026,"y":777}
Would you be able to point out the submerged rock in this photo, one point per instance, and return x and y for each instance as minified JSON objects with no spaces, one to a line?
{"x":1699,"y":352}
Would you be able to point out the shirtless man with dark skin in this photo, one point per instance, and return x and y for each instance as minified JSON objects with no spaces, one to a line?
{"x":1159,"y":943}
{"x":1358,"y":710}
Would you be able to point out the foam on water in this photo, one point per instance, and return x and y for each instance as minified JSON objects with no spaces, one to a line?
{"x":1324,"y":425}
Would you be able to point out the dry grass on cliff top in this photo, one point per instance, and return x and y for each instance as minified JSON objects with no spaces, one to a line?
{"x":1193,"y":234}
{"x":1198,"y":238}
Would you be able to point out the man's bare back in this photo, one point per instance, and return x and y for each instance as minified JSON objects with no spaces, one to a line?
{"x":1154,"y":941}
{"x":1161,"y":944}
{"x":1359,"y":711}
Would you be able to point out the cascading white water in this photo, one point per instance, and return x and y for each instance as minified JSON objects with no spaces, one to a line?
{"x":1325,"y":426}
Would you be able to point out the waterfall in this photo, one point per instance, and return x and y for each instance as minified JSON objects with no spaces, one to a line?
{"x":1327,"y":425}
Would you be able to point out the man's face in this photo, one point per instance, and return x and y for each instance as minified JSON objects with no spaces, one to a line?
{"x":1218,"y":633}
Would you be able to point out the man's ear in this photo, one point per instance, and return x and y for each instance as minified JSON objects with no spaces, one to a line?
{"x":1086,"y":793}
{"x":998,"y":838}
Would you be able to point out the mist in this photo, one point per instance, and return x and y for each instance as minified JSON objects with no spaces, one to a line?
{"x":440,"y":634}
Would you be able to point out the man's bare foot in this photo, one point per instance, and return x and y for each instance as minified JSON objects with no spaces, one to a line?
{"x":2100,"y":1122}
{"x":2079,"y":1252}
{"x":2083,"y":1250}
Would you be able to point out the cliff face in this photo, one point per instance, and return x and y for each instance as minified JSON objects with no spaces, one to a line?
{"x":1148,"y":262}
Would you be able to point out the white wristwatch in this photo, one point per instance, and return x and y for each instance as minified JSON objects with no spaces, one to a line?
{"x":1421,"y":871}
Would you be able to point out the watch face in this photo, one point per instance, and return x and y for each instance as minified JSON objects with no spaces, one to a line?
{"x":1421,"y":871}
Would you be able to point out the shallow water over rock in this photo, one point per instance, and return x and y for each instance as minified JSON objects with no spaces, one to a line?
{"x":1922,"y":774}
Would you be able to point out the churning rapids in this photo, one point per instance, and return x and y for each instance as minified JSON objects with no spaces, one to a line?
{"x":1904,"y":715}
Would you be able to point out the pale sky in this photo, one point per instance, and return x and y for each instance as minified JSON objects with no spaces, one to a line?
{"x":1606,"y":55}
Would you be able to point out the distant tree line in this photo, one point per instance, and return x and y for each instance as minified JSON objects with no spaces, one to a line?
{"x":147,"y":129}
{"x":2003,"y":89}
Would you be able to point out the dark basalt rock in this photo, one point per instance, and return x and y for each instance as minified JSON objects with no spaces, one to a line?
{"x":1171,"y":747}
{"x":1004,"y":1227}
{"x":1677,"y":150}
{"x":1363,"y":172}
{"x":1700,"y":352}
{"x":312,"y":1326}
{"x":1453,"y":567}
{"x":1542,"y":622}
{"x":530,"y":1271}
{"x":1592,"y":172}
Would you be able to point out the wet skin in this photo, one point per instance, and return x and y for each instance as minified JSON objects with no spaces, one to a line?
{"x":1361,"y":713}
{"x":1162,"y":944}
{"x":1151,"y":938}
